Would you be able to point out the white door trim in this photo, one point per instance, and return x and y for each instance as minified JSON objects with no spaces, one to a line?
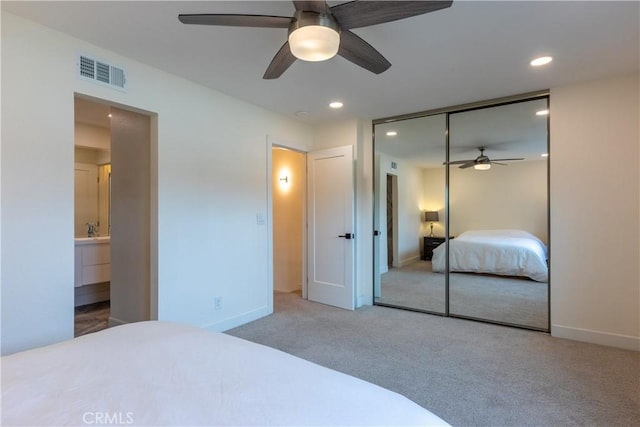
{"x":271,"y":143}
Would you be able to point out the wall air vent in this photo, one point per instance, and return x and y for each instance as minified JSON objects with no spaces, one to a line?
{"x":101,"y":72}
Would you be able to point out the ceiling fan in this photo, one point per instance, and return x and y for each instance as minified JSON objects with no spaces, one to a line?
{"x":481,"y":162}
{"x":318,"y":32}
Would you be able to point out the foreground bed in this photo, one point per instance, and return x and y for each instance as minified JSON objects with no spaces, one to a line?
{"x":501,"y":252}
{"x":159,"y":373}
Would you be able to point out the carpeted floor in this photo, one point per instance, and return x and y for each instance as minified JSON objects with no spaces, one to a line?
{"x":469,"y":373}
{"x":503,"y":299}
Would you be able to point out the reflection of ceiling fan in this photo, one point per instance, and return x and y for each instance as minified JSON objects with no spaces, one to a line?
{"x":318,"y":32}
{"x":481,"y":162}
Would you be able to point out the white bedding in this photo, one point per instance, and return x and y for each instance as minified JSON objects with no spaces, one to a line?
{"x":502,"y":252}
{"x":160,"y":373}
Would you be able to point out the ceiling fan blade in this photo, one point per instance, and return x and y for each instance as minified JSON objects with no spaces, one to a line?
{"x":318,"y":6}
{"x":261,"y":21}
{"x":506,"y":160}
{"x":459,"y":162}
{"x":354,"y":49}
{"x":467,"y":165}
{"x":498,"y":163}
{"x":357,"y":14}
{"x":279,"y":64}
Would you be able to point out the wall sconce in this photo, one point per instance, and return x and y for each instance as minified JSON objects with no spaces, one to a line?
{"x":285,"y":179}
{"x":433,"y":217}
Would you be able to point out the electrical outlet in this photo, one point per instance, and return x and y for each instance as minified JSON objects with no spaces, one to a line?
{"x":217,"y":303}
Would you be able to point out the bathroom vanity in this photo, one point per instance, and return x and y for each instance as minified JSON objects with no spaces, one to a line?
{"x":92,"y":269}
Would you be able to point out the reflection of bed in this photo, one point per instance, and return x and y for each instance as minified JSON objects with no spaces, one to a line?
{"x":159,"y":373}
{"x":502,"y":252}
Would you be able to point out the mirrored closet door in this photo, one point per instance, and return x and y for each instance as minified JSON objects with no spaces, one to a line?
{"x":409,"y":212}
{"x":498,"y":214}
{"x":478,"y":175}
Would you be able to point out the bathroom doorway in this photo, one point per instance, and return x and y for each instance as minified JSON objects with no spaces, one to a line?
{"x":92,"y":166}
{"x":113,"y":239}
{"x":288,"y":215}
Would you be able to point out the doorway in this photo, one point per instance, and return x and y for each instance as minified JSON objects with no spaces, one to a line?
{"x":288,"y":208}
{"x":326,"y":201}
{"x":92,"y":163}
{"x":392,"y":183}
{"x":113,"y":263}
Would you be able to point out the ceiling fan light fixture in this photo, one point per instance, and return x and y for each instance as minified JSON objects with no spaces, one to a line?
{"x":314,"y":37}
{"x":543,"y":60}
{"x":482,"y":166}
{"x":314,"y":43}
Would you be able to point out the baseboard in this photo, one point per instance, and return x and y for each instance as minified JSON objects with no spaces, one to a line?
{"x":116,"y":322}
{"x":407,"y":261}
{"x":250,"y":316}
{"x":626,"y":342}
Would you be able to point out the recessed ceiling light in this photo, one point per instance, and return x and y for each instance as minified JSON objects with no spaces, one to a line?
{"x":543,"y":60}
{"x":542,"y":113}
{"x":392,"y":133}
{"x":301,"y":113}
{"x":109,"y":114}
{"x":336,"y":104}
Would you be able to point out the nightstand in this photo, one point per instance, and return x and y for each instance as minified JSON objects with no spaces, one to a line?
{"x":430,"y":243}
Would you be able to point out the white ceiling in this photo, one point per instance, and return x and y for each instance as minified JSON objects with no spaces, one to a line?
{"x":92,"y":113}
{"x":507,"y":131}
{"x":472,"y":51}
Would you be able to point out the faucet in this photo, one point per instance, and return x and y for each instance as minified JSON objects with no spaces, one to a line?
{"x":92,"y":229}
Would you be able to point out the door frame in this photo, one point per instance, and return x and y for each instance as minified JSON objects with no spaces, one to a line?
{"x":152,"y":292}
{"x":273,"y":142}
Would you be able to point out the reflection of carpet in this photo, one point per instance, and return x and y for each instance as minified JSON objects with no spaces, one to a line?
{"x":502,"y":299}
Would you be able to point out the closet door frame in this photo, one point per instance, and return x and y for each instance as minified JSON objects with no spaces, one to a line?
{"x":529,"y":96}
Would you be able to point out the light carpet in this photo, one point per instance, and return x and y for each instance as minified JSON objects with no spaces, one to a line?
{"x":469,"y":373}
{"x":517,"y":301}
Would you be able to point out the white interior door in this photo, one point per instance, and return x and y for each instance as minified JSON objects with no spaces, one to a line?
{"x":331,"y":227}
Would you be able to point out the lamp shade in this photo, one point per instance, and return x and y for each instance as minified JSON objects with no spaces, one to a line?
{"x":431,"y":216}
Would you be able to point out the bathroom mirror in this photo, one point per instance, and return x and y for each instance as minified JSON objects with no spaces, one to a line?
{"x":92,"y":181}
{"x":409,"y":182}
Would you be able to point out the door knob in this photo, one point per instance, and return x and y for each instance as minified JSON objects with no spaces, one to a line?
{"x":348,"y":236}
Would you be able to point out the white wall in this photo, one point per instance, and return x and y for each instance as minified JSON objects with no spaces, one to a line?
{"x":288,"y":206}
{"x":595,"y":243}
{"x":212,"y":166}
{"x":434,"y":194}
